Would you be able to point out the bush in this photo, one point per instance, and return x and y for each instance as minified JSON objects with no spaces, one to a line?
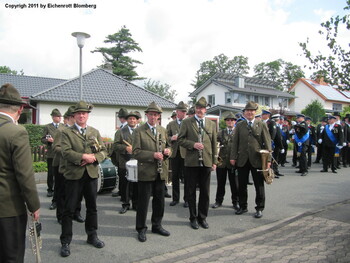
{"x":40,"y":167}
{"x":35,"y":133}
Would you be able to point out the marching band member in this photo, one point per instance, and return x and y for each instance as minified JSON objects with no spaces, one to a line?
{"x":301,"y":142}
{"x":198,"y":136}
{"x":224,"y":169}
{"x":312,"y":144}
{"x":249,"y":137}
{"x":151,"y":152}
{"x":83,"y":150}
{"x":319,"y":130}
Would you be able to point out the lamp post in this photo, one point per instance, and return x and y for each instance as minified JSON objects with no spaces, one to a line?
{"x":81,"y":41}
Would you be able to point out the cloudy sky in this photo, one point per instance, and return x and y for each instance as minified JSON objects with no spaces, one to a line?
{"x":175,"y":35}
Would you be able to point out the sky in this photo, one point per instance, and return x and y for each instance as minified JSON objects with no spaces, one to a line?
{"x":175,"y":35}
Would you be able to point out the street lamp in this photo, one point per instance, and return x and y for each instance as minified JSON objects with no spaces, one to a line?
{"x":81,"y":41}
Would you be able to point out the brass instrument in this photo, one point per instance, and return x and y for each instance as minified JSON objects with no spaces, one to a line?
{"x":267,"y":173}
{"x":218,"y":153}
{"x":35,"y":239}
{"x":160,"y":149}
{"x":200,"y":140}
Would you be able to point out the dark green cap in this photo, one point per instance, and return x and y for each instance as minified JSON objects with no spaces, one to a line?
{"x":69,"y":112}
{"x":251,"y":105}
{"x":154,"y":107}
{"x":133,"y":114}
{"x":83,"y":106}
{"x":230,"y":116}
{"x":202,"y":102}
{"x":123,"y":113}
{"x":56,"y":113}
{"x":181,"y":106}
{"x":10,"y":95}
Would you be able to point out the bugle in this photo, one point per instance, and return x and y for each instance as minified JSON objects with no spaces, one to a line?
{"x":268,"y":173}
{"x":35,"y":239}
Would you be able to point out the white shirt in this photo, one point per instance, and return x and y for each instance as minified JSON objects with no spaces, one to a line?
{"x":3,"y":113}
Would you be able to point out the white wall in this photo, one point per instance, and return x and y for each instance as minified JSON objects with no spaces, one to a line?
{"x":219,"y":92}
{"x":101,"y":117}
{"x":304,"y":96}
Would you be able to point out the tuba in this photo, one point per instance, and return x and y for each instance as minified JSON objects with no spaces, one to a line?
{"x":267,"y":173}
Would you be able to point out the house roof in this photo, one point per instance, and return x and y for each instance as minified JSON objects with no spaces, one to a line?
{"x":326,"y":91}
{"x":102,"y":87}
{"x":29,"y":85}
{"x":252,"y":85}
{"x":218,"y":108}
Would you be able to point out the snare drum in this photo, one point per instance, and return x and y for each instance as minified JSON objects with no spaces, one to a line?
{"x":108,"y":179}
{"x":131,"y":167}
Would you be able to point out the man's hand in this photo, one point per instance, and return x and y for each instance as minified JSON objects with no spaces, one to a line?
{"x":213,"y":168}
{"x":174,"y":137}
{"x":268,"y":165}
{"x":167,"y":151}
{"x":158,"y":156}
{"x":129,"y":149}
{"x":36,"y":215}
{"x":233,"y":162}
{"x":50,"y":139}
{"x":88,"y":158}
{"x":198,"y":146}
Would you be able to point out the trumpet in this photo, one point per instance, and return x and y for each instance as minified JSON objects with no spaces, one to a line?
{"x":218,"y":153}
{"x":160,"y":149}
{"x":35,"y":239}
{"x":267,"y":173}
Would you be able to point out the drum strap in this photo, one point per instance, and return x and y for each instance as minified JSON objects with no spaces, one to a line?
{"x":4,"y":123}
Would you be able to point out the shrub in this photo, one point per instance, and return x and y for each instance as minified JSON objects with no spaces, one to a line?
{"x":40,"y":167}
{"x":35,"y":133}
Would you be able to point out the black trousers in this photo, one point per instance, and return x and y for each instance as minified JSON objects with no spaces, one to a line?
{"x":86,"y":186}
{"x":128,"y":190}
{"x":302,"y":158}
{"x":198,"y":176}
{"x":50,"y":175}
{"x":177,"y":167}
{"x":319,"y":153}
{"x":283,"y":156}
{"x":13,"y":238}
{"x":221,"y":176}
{"x":328,"y":158}
{"x":258,"y":178}
{"x":145,"y":190}
{"x":309,"y":155}
{"x":122,"y":183}
{"x":276,"y":155}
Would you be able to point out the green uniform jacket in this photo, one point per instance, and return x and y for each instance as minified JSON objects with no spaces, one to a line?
{"x":144,"y":146}
{"x":188,"y":136}
{"x":247,"y":142}
{"x":17,"y":182}
{"x":74,"y":145}
{"x":225,"y":142}
{"x":56,"y":146}
{"x":173,"y":129}
{"x":120,"y":146}
{"x":49,"y":129}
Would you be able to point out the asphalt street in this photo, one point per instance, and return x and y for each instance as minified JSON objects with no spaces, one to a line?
{"x":289,"y":200}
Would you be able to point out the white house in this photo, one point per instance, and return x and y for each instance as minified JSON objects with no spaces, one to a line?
{"x":106,"y":91}
{"x":307,"y":90}
{"x":228,"y":92}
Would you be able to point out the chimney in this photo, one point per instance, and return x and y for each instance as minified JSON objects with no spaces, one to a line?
{"x":239,"y":82}
{"x":320,"y":80}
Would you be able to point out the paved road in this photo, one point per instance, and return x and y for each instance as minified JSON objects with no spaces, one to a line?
{"x":306,"y":219}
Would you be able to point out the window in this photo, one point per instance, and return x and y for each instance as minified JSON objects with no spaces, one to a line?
{"x":266,"y":101}
{"x":337,"y":107}
{"x":256,"y":99}
{"x":228,"y":99}
{"x":211,"y":99}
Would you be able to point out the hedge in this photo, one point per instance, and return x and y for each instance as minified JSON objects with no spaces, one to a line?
{"x":35,"y":133}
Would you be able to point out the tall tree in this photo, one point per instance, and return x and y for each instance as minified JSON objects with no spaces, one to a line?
{"x":337,"y":61}
{"x":8,"y":70}
{"x":221,"y":63}
{"x":280,"y":71}
{"x":117,"y":56}
{"x":314,"y":110}
{"x":162,"y":90}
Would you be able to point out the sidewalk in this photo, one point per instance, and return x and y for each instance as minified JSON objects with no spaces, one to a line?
{"x":317,"y":236}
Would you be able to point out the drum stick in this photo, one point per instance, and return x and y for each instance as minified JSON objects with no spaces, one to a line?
{"x":128,"y":144}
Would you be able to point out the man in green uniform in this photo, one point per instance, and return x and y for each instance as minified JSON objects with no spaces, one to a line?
{"x":17,"y":183}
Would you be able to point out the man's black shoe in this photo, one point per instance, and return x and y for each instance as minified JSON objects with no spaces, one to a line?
{"x":194,"y":224}
{"x":204,"y":224}
{"x":49,"y":194}
{"x":294,"y":165}
{"x":65,"y":250}
{"x":124,"y":209}
{"x":53,"y":206}
{"x":167,"y":195}
{"x":236,"y":207}
{"x":316,"y":161}
{"x":250,"y":183}
{"x":78,"y":218}
{"x":161,"y":231}
{"x":304,"y":174}
{"x":324,"y":171}
{"x":95,"y":242}
{"x":297,"y":166}
{"x":142,"y":236}
{"x":277,"y":177}
{"x":258,"y":214}
{"x":282,"y":164}
{"x":241,"y":211}
{"x":334,"y":171}
{"x":338,"y":167}
{"x":186,"y":204}
{"x":280,"y":174}
{"x":298,"y":172}
{"x":216,"y":205}
{"x":173,"y":203}
{"x":345,"y":166}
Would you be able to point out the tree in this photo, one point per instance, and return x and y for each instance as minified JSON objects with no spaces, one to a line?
{"x":162,"y":90}
{"x":337,"y":62}
{"x":122,"y":65}
{"x":7,"y":70}
{"x":314,"y":110}
{"x":280,"y":71}
{"x":221,"y":63}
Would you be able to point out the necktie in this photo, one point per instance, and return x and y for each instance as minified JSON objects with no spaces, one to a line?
{"x":250,"y":124}
{"x":83,"y":130}
{"x":230,"y":131}
{"x":56,"y":125}
{"x":154,"y":131}
{"x":201,"y":123}
{"x":132,"y":130}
